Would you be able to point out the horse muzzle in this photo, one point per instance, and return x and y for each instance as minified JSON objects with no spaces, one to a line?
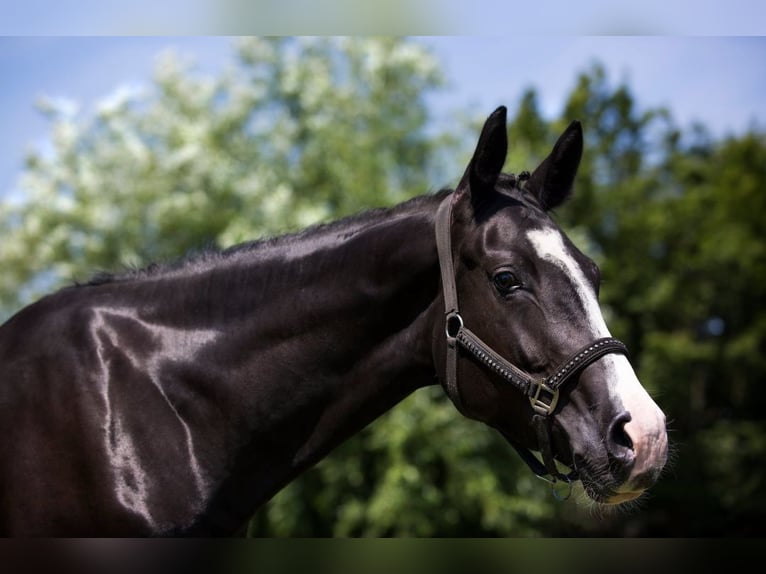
{"x":636,"y":453}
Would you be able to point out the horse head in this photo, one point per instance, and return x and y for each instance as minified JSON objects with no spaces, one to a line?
{"x":528,"y":310}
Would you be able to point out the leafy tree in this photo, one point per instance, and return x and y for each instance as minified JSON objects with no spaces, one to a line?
{"x":295,"y":132}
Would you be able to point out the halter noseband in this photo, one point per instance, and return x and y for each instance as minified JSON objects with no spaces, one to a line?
{"x":543,"y":394}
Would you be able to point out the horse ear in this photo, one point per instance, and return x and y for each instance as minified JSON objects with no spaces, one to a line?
{"x":552,"y":181}
{"x":488,"y":158}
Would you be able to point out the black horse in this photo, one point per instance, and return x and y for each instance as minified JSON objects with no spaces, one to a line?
{"x":179,"y":398}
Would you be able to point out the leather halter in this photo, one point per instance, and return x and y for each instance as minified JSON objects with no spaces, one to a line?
{"x":543,"y":393}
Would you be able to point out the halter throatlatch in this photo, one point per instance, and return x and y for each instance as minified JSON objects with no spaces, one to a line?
{"x":543,"y":393}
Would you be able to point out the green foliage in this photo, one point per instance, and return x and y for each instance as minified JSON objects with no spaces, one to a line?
{"x":420,"y":470}
{"x":295,"y":132}
{"x":304,"y":130}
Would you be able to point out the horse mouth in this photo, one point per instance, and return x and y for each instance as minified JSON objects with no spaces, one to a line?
{"x":598,"y":483}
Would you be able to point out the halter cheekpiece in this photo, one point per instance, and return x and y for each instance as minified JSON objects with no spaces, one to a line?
{"x":543,"y":393}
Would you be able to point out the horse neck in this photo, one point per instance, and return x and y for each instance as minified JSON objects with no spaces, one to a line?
{"x":320,"y":334}
{"x":325,"y":300}
{"x":350,"y":301}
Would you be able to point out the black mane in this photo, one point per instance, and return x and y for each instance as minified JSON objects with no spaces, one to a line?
{"x":202,"y":258}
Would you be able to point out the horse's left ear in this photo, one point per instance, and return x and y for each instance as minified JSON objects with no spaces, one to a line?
{"x":487,"y":162}
{"x":553,"y":179}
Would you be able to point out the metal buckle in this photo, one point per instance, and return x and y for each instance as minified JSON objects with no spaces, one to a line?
{"x":545,"y":399}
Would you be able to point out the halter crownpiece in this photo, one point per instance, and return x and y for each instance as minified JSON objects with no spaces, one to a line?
{"x":543,"y":393}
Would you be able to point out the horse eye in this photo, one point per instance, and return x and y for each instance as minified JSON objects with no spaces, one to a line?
{"x":505,"y":282}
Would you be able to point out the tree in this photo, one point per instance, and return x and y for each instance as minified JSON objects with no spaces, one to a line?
{"x":297,"y":131}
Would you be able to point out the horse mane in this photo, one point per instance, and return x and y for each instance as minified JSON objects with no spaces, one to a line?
{"x":203,"y":258}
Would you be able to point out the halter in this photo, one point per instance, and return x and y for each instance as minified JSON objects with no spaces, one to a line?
{"x":543,"y":393}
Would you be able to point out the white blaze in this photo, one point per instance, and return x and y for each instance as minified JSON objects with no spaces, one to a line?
{"x":647,"y":426}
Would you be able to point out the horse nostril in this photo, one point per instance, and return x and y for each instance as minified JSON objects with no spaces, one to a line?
{"x":618,"y":437}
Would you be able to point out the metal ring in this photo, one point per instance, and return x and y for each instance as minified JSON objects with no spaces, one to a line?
{"x":555,"y":480}
{"x":450,"y":322}
{"x":555,"y":492}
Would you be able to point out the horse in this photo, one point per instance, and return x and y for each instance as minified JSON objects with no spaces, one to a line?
{"x":178,"y":398}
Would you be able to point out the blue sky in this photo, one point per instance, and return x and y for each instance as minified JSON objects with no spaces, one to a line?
{"x":719,"y":81}
{"x":401,"y":17}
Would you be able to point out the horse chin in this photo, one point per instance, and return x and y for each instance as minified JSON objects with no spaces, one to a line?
{"x":610,"y":497}
{"x":622,"y":497}
{"x":602,"y":488}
